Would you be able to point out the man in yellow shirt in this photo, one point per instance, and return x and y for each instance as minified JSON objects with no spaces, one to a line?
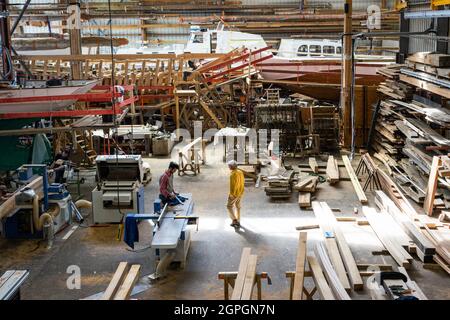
{"x":236,"y":192}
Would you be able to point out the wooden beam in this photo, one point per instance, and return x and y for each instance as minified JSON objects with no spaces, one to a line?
{"x":332,"y":170}
{"x":242,"y":272}
{"x":313,"y":164}
{"x":126,"y":288}
{"x":250,"y":276}
{"x":75,"y":44}
{"x":395,"y":250}
{"x":304,"y":199}
{"x":319,"y":279}
{"x":432,"y":186}
{"x":300,"y":267}
{"x":425,"y":85}
{"x":211,"y":114}
{"x":328,"y":232}
{"x":346,"y":254}
{"x":356,"y":185}
{"x":330,"y":273}
{"x":117,"y":279}
{"x":346,"y":97}
{"x":8,"y":206}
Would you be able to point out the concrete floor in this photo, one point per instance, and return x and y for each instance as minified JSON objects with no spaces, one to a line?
{"x":268,"y":228}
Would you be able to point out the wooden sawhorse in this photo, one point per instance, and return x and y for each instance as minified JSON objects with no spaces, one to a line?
{"x":190,"y":158}
{"x":229,"y":279}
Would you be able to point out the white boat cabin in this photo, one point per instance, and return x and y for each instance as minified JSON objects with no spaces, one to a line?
{"x":300,"y":48}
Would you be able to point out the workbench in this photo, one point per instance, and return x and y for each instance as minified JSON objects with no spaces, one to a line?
{"x":10,"y":283}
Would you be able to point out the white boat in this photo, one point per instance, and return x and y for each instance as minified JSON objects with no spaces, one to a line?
{"x":40,"y":88}
{"x":295,"y":58}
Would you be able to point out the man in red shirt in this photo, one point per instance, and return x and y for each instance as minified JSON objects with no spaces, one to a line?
{"x":166,"y":190}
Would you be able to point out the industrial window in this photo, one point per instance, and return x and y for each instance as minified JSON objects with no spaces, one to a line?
{"x":328,"y":50}
{"x":339,"y":50}
{"x":302,"y":51}
{"x":315,"y":50}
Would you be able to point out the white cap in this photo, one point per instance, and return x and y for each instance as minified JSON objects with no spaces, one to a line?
{"x":232,"y":163}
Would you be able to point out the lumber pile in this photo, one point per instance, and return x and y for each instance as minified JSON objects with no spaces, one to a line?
{"x":391,"y":87}
{"x":280,"y":186}
{"x":390,"y":235}
{"x":430,"y":236}
{"x":411,"y":130}
{"x":424,"y":248}
{"x":123,"y":282}
{"x":337,"y":247}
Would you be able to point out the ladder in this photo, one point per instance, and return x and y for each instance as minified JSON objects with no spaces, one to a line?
{"x":82,"y":144}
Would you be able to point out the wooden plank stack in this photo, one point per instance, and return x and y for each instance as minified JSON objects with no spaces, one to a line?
{"x":411,"y":129}
{"x":337,"y":247}
{"x":391,"y":87}
{"x":430,"y":236}
{"x":280,"y":186}
{"x":390,"y":235}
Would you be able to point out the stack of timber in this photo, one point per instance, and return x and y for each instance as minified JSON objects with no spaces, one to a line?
{"x":391,"y":87}
{"x":280,"y":186}
{"x":424,"y":248}
{"x":338,"y":249}
{"x":388,"y":138}
{"x":306,"y":186}
{"x":391,"y":236}
{"x":412,"y":129}
{"x":430,"y":236}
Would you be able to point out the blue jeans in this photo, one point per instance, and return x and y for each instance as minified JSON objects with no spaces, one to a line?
{"x":172,"y":202}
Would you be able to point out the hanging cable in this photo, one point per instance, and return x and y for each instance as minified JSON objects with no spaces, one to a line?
{"x":113,"y":101}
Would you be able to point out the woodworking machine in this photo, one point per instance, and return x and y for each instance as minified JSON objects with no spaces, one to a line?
{"x":119,"y":187}
{"x":23,"y":216}
{"x":171,"y":235}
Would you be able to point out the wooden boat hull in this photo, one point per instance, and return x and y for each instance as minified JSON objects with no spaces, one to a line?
{"x":42,"y":106}
{"x":319,"y":71}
